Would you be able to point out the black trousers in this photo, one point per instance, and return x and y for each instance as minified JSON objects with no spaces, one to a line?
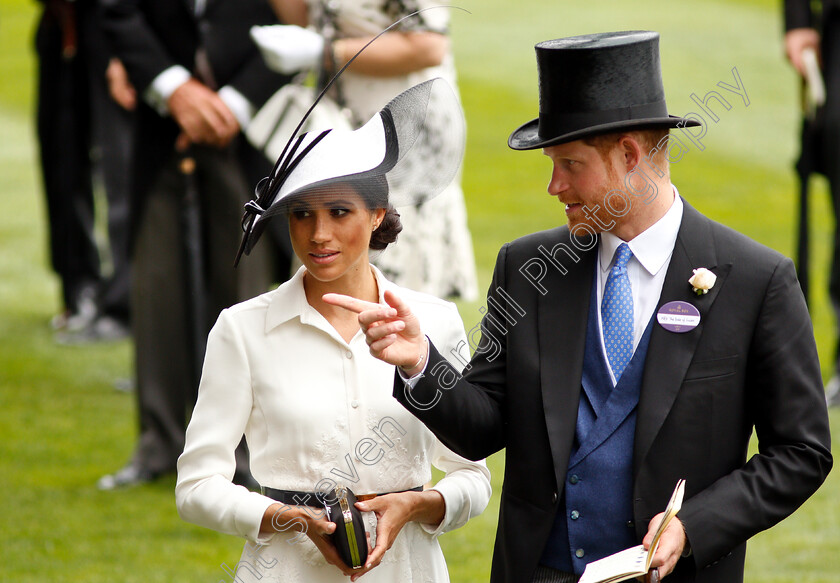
{"x":830,"y":154}
{"x":63,"y":121}
{"x":549,"y":575}
{"x":113,"y":140}
{"x":162,"y":304}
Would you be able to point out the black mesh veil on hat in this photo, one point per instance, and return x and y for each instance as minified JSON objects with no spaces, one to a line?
{"x":399,"y":157}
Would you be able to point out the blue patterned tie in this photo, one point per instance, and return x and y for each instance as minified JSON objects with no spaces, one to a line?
{"x":617,"y":313}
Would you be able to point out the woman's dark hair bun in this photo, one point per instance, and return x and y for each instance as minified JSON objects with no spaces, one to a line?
{"x":387,"y":231}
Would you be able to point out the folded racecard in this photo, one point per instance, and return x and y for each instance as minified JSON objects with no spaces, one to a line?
{"x":635,"y":561}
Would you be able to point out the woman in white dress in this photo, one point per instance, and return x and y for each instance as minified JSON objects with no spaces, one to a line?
{"x":295,"y":375}
{"x":415,"y":51}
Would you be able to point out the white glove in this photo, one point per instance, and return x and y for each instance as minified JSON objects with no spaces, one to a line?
{"x":288,"y":48}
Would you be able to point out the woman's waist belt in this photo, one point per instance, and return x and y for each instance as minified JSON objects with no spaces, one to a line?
{"x":317,"y":500}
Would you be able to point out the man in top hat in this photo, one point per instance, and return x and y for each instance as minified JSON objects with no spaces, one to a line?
{"x":603,"y":371}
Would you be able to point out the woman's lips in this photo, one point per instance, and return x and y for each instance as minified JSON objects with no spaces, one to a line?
{"x":323,"y":257}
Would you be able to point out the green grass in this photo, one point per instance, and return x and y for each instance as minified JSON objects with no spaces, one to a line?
{"x":62,"y":424}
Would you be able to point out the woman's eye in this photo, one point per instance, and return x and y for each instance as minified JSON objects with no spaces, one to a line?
{"x":300,"y":214}
{"x":339,"y":212}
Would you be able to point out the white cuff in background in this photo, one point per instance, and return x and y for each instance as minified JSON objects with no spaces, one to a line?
{"x":238,"y":104}
{"x":157,"y":94}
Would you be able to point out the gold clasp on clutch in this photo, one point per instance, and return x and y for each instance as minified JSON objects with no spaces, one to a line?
{"x":344,"y":504}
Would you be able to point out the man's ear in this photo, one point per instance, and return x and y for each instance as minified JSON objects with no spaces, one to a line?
{"x":632,"y":151}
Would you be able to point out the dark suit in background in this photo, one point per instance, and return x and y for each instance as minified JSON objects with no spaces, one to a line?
{"x":150,"y":37}
{"x":64,"y":137}
{"x":799,"y":15}
{"x":751,"y":363}
{"x":113,"y":138}
{"x":83,"y":133}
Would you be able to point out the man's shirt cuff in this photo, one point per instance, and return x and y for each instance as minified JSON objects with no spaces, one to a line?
{"x":238,"y":104}
{"x":159,"y":91}
{"x":410,"y":382}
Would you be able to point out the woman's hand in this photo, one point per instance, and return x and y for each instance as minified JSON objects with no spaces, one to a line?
{"x":393,"y":512}
{"x":319,"y":533}
{"x":309,"y":521}
{"x":392,"y":332}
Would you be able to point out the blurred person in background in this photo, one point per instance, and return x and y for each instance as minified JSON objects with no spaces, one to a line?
{"x":435,"y":254}
{"x":82,"y":133}
{"x":820,"y":31}
{"x":199,"y":78}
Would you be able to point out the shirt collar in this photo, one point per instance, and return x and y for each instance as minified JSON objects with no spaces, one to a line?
{"x":651,"y":248}
{"x":289,"y":300}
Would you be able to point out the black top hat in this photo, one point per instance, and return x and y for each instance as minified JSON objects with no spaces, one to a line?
{"x":596,"y":84}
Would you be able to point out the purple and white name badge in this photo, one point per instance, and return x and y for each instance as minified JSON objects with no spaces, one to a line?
{"x":678,"y":317}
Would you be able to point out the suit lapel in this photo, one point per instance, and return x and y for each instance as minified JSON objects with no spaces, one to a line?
{"x":562,"y":333}
{"x":669,"y":353}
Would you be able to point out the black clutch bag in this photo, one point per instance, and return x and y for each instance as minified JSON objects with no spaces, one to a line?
{"x":349,"y":537}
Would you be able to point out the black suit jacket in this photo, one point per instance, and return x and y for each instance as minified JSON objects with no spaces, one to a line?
{"x":150,"y":36}
{"x":800,"y":13}
{"x":750,"y":364}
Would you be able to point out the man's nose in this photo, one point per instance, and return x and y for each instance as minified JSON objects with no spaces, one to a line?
{"x":558,"y":182}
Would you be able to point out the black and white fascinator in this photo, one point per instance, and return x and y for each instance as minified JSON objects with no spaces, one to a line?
{"x":400,"y":157}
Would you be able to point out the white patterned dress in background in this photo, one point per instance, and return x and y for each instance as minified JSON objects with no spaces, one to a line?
{"x":434,"y":253}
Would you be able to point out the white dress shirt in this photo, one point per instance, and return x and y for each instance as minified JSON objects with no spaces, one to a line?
{"x":313,"y":406}
{"x":652,"y":250}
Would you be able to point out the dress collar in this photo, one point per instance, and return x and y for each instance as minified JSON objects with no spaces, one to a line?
{"x":289,"y":301}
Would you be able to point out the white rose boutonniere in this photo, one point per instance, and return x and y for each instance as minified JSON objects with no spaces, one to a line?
{"x":702,"y":281}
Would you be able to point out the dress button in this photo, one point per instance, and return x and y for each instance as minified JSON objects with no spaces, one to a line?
{"x":354,"y":403}
{"x":575,"y":515}
{"x":554,"y":498}
{"x":574,"y":479}
{"x":579,"y":553}
{"x":348,"y":354}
